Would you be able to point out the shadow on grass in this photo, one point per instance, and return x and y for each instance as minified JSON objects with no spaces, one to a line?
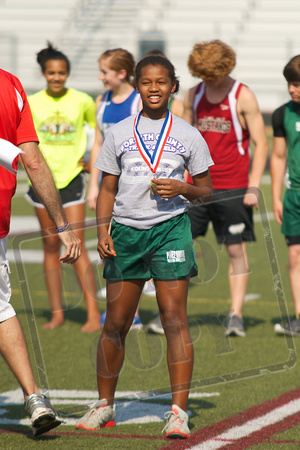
{"x":218,"y":320}
{"x":278,"y":319}
{"x":214,"y":324}
{"x":77,"y":315}
{"x":26,"y":431}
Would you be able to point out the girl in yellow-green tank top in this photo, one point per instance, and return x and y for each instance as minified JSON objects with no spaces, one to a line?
{"x":60,"y":114}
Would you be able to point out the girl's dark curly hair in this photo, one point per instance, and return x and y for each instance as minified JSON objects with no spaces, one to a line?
{"x":50,"y":53}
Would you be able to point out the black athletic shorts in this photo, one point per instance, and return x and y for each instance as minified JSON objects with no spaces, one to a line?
{"x":73,"y":194}
{"x":231,"y":220}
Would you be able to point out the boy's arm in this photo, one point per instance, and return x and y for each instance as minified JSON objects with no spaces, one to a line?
{"x":251,"y":118}
{"x":94,"y":172}
{"x":278,"y":167}
{"x":188,"y":106}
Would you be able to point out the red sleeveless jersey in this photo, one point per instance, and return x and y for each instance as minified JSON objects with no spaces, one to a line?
{"x":227,"y":140}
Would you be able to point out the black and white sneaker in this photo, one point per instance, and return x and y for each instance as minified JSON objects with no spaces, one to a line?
{"x":291,"y":328}
{"x":155,"y":326}
{"x":234,"y":326}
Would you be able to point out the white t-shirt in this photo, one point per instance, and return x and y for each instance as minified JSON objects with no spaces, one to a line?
{"x":185,"y":149}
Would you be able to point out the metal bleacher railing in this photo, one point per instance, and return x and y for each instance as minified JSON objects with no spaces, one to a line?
{"x":263,"y":33}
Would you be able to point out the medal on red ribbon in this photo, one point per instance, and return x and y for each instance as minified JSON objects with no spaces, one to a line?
{"x":153,"y":160}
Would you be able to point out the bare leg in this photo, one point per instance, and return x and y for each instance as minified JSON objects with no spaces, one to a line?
{"x":84,"y":270}
{"x":172,"y":303}
{"x":52,"y":270}
{"x":238,"y":276}
{"x":14,"y":350}
{"x":122,"y":301}
{"x":294,"y":258}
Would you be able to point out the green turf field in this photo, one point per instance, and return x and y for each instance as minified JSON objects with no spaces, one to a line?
{"x":230,"y":375}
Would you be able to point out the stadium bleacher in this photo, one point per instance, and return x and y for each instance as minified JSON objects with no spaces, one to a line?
{"x":263,"y":33}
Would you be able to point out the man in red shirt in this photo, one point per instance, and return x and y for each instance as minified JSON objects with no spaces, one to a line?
{"x":16,"y":127}
{"x":227,"y":115}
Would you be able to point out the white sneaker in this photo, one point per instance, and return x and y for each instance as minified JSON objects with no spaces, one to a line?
{"x":155,"y":326}
{"x":177,"y":424}
{"x":149,"y":289}
{"x":43,"y":416}
{"x":99,"y":416}
{"x":102,"y":292}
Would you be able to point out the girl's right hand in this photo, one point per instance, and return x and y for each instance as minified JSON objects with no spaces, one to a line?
{"x":92,"y":197}
{"x":105,"y":247}
{"x":278,"y":210}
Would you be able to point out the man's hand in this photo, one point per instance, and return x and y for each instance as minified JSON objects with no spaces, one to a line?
{"x":73,"y":246}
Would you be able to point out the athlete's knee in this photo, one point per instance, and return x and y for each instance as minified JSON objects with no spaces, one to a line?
{"x":51,"y":244}
{"x":238,"y":259}
{"x":116,"y":329}
{"x":113,"y":336}
{"x":173,"y":322}
{"x":294,"y":255}
{"x":236,"y":251}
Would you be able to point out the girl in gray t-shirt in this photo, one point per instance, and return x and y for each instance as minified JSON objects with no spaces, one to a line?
{"x":143,"y":161}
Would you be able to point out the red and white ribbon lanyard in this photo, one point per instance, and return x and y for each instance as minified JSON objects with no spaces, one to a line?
{"x":154,"y":160}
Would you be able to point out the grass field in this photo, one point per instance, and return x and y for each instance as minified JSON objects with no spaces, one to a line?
{"x":230,"y":375}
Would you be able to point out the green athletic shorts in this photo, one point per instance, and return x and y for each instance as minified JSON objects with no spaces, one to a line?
{"x":291,"y":213}
{"x":164,"y":252}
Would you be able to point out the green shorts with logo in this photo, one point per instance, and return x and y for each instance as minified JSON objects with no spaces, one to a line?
{"x":164,"y":252}
{"x":291,"y":213}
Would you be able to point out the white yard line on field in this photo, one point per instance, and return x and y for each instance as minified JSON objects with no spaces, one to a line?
{"x":251,"y":426}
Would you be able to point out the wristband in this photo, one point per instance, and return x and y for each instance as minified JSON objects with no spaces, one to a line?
{"x":64,"y":228}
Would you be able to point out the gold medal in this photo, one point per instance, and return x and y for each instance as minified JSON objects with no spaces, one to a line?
{"x":153,"y":188}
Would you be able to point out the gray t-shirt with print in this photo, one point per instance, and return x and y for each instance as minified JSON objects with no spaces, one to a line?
{"x":185,"y":149}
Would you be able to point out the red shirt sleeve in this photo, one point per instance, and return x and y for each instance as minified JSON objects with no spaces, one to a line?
{"x":25,"y":131}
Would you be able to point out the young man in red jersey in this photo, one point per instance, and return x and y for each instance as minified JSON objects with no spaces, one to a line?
{"x":227,"y":115}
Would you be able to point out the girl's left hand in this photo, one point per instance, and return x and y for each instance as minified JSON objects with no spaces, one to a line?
{"x":105,"y":247}
{"x":85,"y":165}
{"x":168,"y":188}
